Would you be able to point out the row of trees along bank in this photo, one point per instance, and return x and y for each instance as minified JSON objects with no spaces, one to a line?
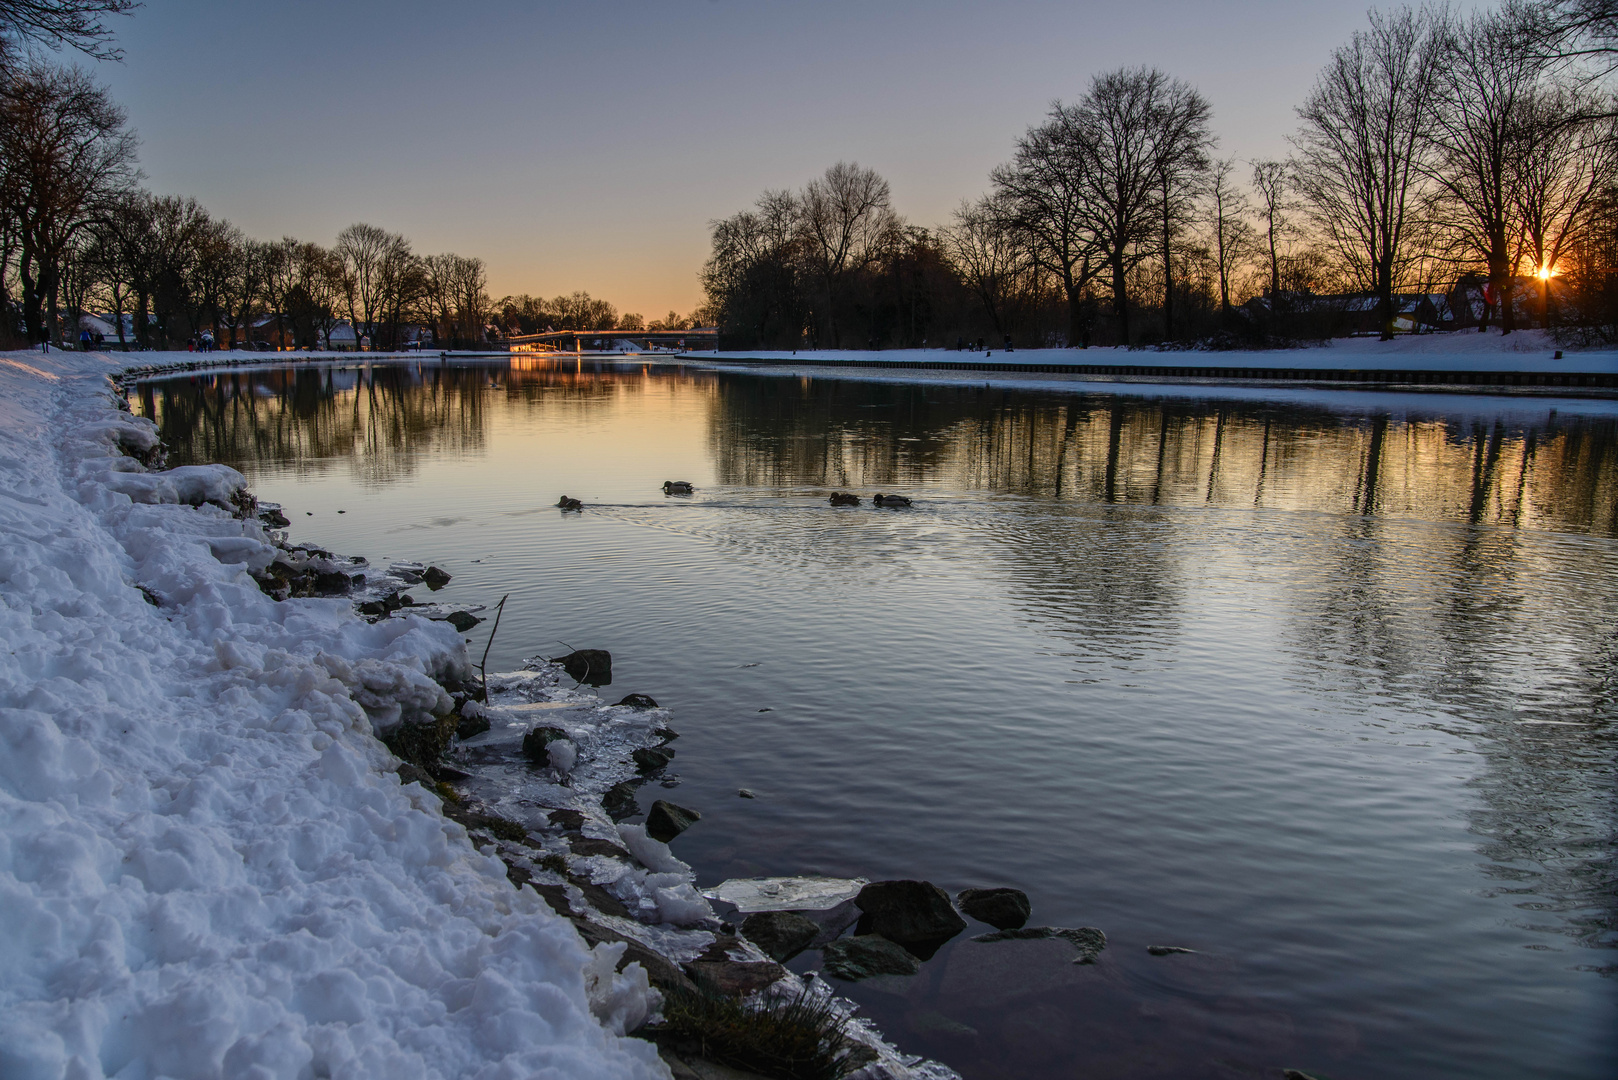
{"x":1468,"y":158}
{"x":79,"y":236}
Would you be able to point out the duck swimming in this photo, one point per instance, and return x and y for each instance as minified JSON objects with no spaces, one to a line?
{"x":677,"y":487}
{"x":840,"y":498}
{"x":565,"y":504}
{"x":896,"y":501}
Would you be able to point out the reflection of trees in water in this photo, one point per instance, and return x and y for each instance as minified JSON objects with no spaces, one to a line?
{"x":1504,"y":638}
{"x":378,"y":420}
{"x":1560,"y":474}
{"x":1491,"y":627}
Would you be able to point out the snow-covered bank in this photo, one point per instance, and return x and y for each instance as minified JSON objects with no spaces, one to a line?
{"x":207,"y":867}
{"x":1525,"y":350}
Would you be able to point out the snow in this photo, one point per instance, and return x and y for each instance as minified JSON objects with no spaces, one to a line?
{"x":1460,"y":350}
{"x":206,"y":867}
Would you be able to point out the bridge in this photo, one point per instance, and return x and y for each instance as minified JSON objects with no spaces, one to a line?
{"x":579,"y":341}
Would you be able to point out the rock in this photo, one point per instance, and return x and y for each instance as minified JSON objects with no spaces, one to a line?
{"x":861,"y":957}
{"x":1087,"y":939}
{"x":1003,"y":909}
{"x":667,"y":734}
{"x":638,"y":701}
{"x":745,"y":793}
{"x":471,"y":726}
{"x":665,"y":821}
{"x":536,"y":744}
{"x":571,"y":820}
{"x":375,"y":608}
{"x":734,"y":978}
{"x":781,"y":934}
{"x":435,"y":579}
{"x":840,"y":498}
{"x":665,"y":974}
{"x":652,"y":758}
{"x":411,"y":774}
{"x":1296,"y":1074}
{"x":677,"y":487}
{"x":566,"y":504}
{"x":593,"y":666}
{"x":462,"y":621}
{"x":1167,"y":950}
{"x":332,"y":583}
{"x":554,"y":895}
{"x":274,"y":518}
{"x":915,"y":914}
{"x":589,"y":845}
{"x":619,"y":801}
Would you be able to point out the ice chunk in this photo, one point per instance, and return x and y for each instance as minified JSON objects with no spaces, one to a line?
{"x":828,"y":902}
{"x":622,"y":1001}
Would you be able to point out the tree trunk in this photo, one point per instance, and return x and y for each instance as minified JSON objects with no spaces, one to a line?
{"x":1120,"y":299}
{"x":1168,"y":272}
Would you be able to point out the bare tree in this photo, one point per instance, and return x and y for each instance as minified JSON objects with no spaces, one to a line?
{"x":1366,"y":128}
{"x":1567,"y":157}
{"x":1044,"y":193}
{"x":848,"y":220}
{"x":1228,"y":228}
{"x":1580,"y":29}
{"x":1126,"y":118}
{"x":1273,"y":182}
{"x":1181,"y":142}
{"x":75,"y":24}
{"x":65,"y":155}
{"x":366,"y":251}
{"x":985,"y":246}
{"x":1487,"y":75}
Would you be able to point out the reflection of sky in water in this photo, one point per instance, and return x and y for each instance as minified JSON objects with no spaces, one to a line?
{"x":1326,"y":694}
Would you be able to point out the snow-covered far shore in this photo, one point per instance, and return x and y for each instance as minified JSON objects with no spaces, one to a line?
{"x":207,"y":866}
{"x":1461,"y":350}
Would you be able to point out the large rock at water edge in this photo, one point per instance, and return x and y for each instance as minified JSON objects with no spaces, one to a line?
{"x":665,"y":821}
{"x":781,"y":934}
{"x":435,"y":578}
{"x":915,"y":914}
{"x":651,"y":758}
{"x":536,"y":744}
{"x":861,"y":957}
{"x":1003,"y":909}
{"x":593,"y":666}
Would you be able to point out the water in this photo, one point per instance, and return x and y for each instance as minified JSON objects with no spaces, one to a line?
{"x":1322,"y":688}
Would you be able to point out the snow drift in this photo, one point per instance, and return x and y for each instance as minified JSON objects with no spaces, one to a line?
{"x":206,"y":868}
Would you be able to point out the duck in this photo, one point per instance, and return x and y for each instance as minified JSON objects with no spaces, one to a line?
{"x":677,"y":487}
{"x":896,"y":501}
{"x":839,"y":498}
{"x":565,"y":504}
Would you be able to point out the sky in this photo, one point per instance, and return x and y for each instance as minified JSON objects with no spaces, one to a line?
{"x":590,"y":145}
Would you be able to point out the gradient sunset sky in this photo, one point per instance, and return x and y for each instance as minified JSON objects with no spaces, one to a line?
{"x":589,"y":145}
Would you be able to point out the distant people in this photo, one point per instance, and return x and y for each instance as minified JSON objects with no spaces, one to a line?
{"x":980,"y":344}
{"x":960,"y":343}
{"x":84,"y":339}
{"x":207,"y":341}
{"x":101,"y":340}
{"x":191,"y":345}
{"x":1008,"y":343}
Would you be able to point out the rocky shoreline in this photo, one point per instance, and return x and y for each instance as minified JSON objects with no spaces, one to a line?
{"x":544,"y":775}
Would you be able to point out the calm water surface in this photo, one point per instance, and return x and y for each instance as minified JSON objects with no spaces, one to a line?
{"x":1324,"y":690}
